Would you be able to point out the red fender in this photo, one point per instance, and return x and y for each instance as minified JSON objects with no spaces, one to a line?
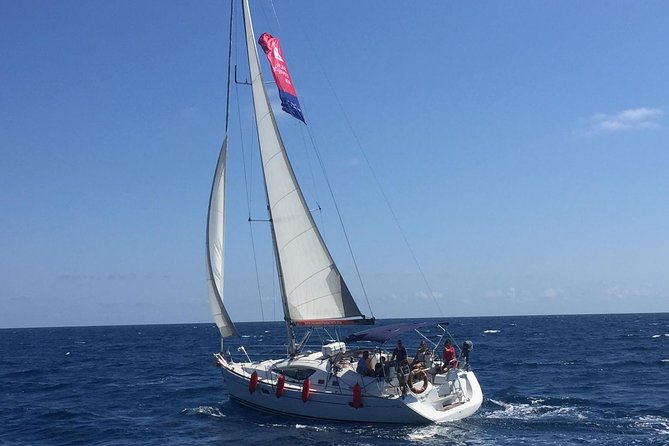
{"x":357,"y":396}
{"x":254,"y":382}
{"x":306,"y":390}
{"x":279,"y":386}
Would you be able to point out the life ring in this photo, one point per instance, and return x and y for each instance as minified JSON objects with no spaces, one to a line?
{"x":417,"y":375}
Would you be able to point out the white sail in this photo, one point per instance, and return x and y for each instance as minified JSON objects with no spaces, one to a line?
{"x":312,"y":286}
{"x":215,"y":244}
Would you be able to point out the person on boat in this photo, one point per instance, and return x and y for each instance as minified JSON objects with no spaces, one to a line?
{"x":449,"y":356}
{"x":399,"y":357}
{"x":365,"y":365}
{"x":381,"y":368}
{"x":423,"y":355}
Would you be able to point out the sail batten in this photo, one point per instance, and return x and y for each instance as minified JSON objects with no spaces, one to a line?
{"x":306,"y":268}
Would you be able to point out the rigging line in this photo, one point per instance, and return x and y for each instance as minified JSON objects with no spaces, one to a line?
{"x":274,"y":290}
{"x":341,"y":220}
{"x":227,"y":98}
{"x":255,"y":264}
{"x":275,"y":15}
{"x":248,"y":171}
{"x":376,"y":178}
{"x":247,"y":186}
{"x":311,"y":174}
{"x":253,"y":243}
{"x":247,"y":180}
{"x":268,"y":22}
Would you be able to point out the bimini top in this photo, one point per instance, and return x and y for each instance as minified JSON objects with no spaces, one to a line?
{"x":387,"y":332}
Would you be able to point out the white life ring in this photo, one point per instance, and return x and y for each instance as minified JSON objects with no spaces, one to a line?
{"x":414,"y":377}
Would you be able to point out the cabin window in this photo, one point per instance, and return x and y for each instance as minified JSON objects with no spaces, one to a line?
{"x":298,"y":373}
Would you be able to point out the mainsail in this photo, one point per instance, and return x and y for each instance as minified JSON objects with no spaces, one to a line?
{"x":314,"y":292}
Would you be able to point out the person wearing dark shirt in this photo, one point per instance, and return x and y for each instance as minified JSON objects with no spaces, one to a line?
{"x":381,"y":368}
{"x":399,"y":357}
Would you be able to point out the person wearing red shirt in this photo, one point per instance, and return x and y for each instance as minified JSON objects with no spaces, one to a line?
{"x":448,"y":356}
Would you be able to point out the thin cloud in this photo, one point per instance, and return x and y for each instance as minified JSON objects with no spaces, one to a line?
{"x":427,"y":296}
{"x":554,"y":292}
{"x":622,"y":292}
{"x":627,"y":120}
{"x":122,"y":276}
{"x":69,"y":276}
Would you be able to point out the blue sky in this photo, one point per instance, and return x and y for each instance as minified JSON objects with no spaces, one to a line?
{"x":523,"y":145}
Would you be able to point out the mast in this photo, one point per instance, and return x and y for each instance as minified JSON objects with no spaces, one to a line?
{"x":216,"y":224}
{"x":250,"y":43}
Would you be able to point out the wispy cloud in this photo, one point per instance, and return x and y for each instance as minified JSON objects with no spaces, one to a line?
{"x":627,"y":120}
{"x":427,"y":296}
{"x":122,"y":276}
{"x":354,"y":162}
{"x":623,"y":292}
{"x":510,"y":292}
{"x":554,"y":292}
{"x":69,"y":276}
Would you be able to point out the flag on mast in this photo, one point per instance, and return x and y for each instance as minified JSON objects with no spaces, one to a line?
{"x":289,"y":102}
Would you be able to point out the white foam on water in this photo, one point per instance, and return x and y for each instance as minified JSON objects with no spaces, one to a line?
{"x":659,"y":425}
{"x":660,"y":335}
{"x":534,"y":410}
{"x":205,"y":410}
{"x":491,"y":331}
{"x":425,"y":432}
{"x":664,"y":360}
{"x":311,"y":427}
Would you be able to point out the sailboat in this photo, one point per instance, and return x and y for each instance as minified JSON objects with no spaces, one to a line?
{"x":324,"y":384}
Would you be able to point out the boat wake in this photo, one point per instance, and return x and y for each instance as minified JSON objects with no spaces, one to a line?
{"x":311,"y":427}
{"x":659,"y":425}
{"x":535,"y":409}
{"x":204,"y":410}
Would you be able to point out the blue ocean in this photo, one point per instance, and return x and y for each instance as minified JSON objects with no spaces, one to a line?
{"x":547,"y":380}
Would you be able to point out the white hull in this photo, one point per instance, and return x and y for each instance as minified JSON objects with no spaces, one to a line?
{"x":447,"y":398}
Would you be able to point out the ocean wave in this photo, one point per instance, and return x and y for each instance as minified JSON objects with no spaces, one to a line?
{"x":659,"y":425}
{"x":312,"y":427}
{"x":423,"y":433}
{"x":204,"y":410}
{"x":655,"y":336}
{"x":532,"y":410}
{"x":491,"y":331}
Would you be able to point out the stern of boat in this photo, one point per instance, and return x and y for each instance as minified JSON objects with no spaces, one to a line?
{"x":453,"y":396}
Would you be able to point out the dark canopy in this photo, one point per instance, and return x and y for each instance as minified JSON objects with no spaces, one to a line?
{"x":386,"y":332}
